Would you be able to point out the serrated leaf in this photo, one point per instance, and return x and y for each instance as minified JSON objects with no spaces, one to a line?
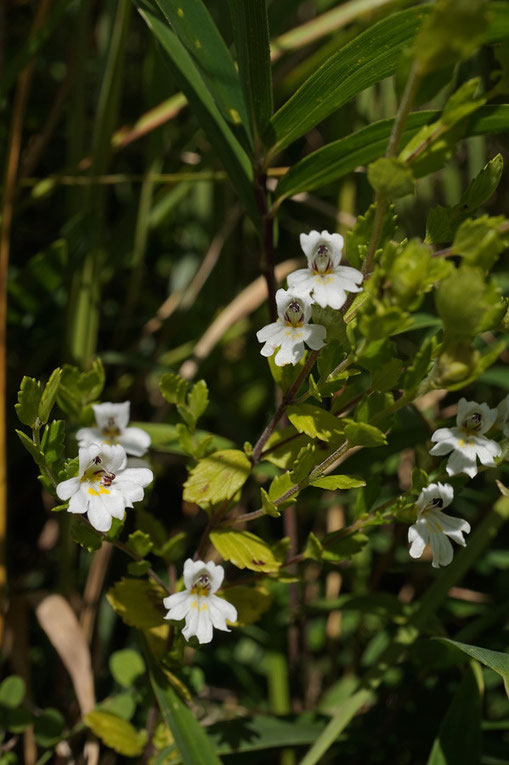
{"x":280,"y":485}
{"x":391,"y":178}
{"x":217,"y":477}
{"x":49,"y":395}
{"x":116,"y":732}
{"x":140,"y":543}
{"x":464,"y":302}
{"x":12,"y":692}
{"x":77,"y":388}
{"x":268,"y":506}
{"x":362,"y":434}
{"x":335,"y":482}
{"x":126,"y":666}
{"x":495,"y":660}
{"x":479,"y":241}
{"x":84,"y":535}
{"x":198,"y":399}
{"x":313,"y":421}
{"x":29,"y":445}
{"x":283,"y":446}
{"x":138,"y":567}
{"x":244,"y":550}
{"x":29,"y":399}
{"x":53,"y":441}
{"x":305,"y":462}
{"x":251,"y":603}
{"x":138,"y":603}
{"x":174,"y":388}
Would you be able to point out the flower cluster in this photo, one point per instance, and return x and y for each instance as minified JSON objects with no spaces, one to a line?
{"x":324,"y":282}
{"x":466,"y":443}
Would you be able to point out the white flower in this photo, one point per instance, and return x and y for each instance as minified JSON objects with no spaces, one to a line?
{"x":198,"y":604}
{"x":503,"y":415}
{"x":324,"y":278}
{"x":466,"y":441}
{"x":112,"y":428}
{"x":291,"y":330}
{"x":104,"y":487}
{"x":433,"y":526}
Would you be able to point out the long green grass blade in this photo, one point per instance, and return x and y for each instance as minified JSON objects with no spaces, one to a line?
{"x":190,"y":738}
{"x":336,"y":159}
{"x":233,"y":156}
{"x":251,"y":32}
{"x":196,"y":30}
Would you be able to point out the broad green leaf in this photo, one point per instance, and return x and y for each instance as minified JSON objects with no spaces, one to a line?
{"x":53,"y":441}
{"x":140,"y":543}
{"x":459,"y":736}
{"x":12,"y":691}
{"x":337,"y":546}
{"x":334,"y":482}
{"x":386,"y":377}
{"x":484,"y":185}
{"x":362,"y":434}
{"x":370,"y":57}
{"x":138,"y":603}
{"x":186,"y":74}
{"x":85,"y":535}
{"x":48,"y":727}
{"x":116,"y":732}
{"x":313,"y":421}
{"x":138,"y":567}
{"x":196,"y":29}
{"x":280,"y":485}
{"x":198,"y":399}
{"x":174,"y":388}
{"x":337,"y":159}
{"x":217,"y":477}
{"x":244,"y":550}
{"x":283,"y":447}
{"x":121,"y":704}
{"x":495,"y":660}
{"x":286,"y":375}
{"x":332,"y":320}
{"x":481,"y":364}
{"x":251,"y":35}
{"x":126,"y":666}
{"x":189,"y":736}
{"x":479,"y":241}
{"x":391,"y":178}
{"x":77,"y":388}
{"x":465,"y":302}
{"x":304,"y":464}
{"x":29,"y":398}
{"x":165,"y":437}
{"x":49,"y":396}
{"x":251,"y":602}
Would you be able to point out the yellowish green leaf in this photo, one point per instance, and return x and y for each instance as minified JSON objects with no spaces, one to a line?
{"x":244,"y":550}
{"x":217,"y":477}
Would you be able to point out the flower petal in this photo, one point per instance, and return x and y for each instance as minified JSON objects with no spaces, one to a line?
{"x":222,"y":611}
{"x":216,"y":574}
{"x":135,"y":441}
{"x":314,"y":335}
{"x":65,"y":489}
{"x":119,"y":412}
{"x":78,"y":502}
{"x":98,"y":514}
{"x":291,"y":352}
{"x":418,"y":536}
{"x":463,"y":461}
{"x":441,"y":549}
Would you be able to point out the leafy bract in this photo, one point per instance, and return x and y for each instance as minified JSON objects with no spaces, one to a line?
{"x":116,"y":732}
{"x":217,"y":477}
{"x":138,"y":603}
{"x":244,"y":550}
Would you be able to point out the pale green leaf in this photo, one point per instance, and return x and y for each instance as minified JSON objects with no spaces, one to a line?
{"x":495,"y":660}
{"x":29,"y":398}
{"x":138,"y":603}
{"x":116,"y":732}
{"x":335,"y":482}
{"x":217,"y":477}
{"x":251,"y":602}
{"x":174,"y":388}
{"x":362,"y":434}
{"x":198,"y":399}
{"x":244,"y":550}
{"x":313,"y":421}
{"x":126,"y":666}
{"x":12,"y":691}
{"x":49,"y":395}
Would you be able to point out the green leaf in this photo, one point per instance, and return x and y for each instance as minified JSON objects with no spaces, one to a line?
{"x":116,"y":732}
{"x":416,"y":372}
{"x":465,"y":302}
{"x":174,"y":548}
{"x":480,"y":242}
{"x":268,"y":506}
{"x":459,"y":737}
{"x":53,"y":441}
{"x":313,"y":421}
{"x":85,"y":535}
{"x":165,"y":437}
{"x":189,"y":80}
{"x":77,"y":388}
{"x":49,"y":396}
{"x":454,"y":29}
{"x":138,"y":567}
{"x":244,"y":550}
{"x":138,"y":603}
{"x":338,"y":546}
{"x":334,"y":482}
{"x":305,"y":462}
{"x":48,"y":727}
{"x":189,"y":736}
{"x":370,"y":57}
{"x":386,"y":377}
{"x":29,"y":398}
{"x":12,"y":692}
{"x":391,"y":178}
{"x":285,"y":376}
{"x":362,"y":434}
{"x":313,"y":548}
{"x":332,"y":320}
{"x":251,"y":603}
{"x":283,"y":447}
{"x":495,"y":660}
{"x":484,"y":185}
{"x":140,"y":543}
{"x":126,"y":666}
{"x":196,"y":29}
{"x":29,"y":445}
{"x":217,"y":477}
{"x":358,"y":238}
{"x":198,"y":399}
{"x":251,"y":35}
{"x":174,"y":388}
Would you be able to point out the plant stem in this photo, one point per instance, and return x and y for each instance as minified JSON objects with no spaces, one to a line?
{"x":267,"y":238}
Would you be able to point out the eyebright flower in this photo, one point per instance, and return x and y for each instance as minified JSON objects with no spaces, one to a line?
{"x":198,"y":604}
{"x":291,"y":330}
{"x":433,"y":526}
{"x":112,"y":428}
{"x":104,"y":487}
{"x":324,"y":278}
{"x":466,"y":441}
{"x":503,"y":415}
